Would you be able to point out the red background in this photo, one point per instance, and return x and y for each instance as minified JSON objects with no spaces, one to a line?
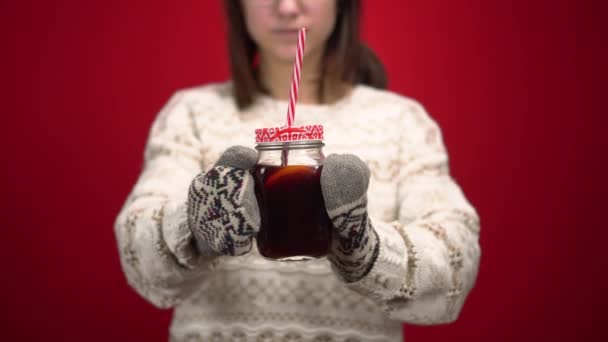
{"x":515,"y":86}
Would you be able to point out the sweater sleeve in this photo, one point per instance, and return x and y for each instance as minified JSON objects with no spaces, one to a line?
{"x":155,"y":244}
{"x":429,"y":258}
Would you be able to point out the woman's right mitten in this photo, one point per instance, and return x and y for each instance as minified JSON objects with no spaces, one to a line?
{"x":223,"y":212}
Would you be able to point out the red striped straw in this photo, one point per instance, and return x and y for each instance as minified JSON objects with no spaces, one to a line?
{"x":295,"y":81}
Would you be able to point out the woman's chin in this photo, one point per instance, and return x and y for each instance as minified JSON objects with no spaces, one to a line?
{"x":284,"y":54}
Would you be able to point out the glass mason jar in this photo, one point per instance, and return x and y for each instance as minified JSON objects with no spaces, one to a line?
{"x":294,"y":221}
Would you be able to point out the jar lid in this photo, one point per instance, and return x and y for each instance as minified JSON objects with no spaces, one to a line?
{"x":299,"y":133}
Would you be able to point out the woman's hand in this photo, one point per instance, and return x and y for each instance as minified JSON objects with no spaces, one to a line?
{"x":354,"y":247}
{"x":223,"y":212}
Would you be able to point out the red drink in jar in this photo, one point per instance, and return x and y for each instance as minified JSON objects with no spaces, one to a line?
{"x":294,"y":221}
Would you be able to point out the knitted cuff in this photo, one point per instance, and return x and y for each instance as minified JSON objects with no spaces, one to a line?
{"x":389,"y":270}
{"x":355,"y":246}
{"x":177,"y":235}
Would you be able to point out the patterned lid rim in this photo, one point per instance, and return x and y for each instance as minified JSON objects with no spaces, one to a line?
{"x":286,"y":134}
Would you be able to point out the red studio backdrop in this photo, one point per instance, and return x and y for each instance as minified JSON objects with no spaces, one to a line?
{"x":515,"y":85}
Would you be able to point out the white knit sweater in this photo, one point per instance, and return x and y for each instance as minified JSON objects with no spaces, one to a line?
{"x":429,"y":253}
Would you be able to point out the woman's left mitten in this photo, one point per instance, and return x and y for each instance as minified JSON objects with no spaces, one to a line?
{"x":354,"y":247}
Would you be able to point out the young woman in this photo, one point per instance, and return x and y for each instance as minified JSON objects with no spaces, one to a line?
{"x":405,"y":241}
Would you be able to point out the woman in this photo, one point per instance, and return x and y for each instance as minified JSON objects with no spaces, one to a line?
{"x":410,"y":252}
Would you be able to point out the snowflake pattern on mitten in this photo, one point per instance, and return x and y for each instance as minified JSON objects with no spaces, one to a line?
{"x":222,"y":210}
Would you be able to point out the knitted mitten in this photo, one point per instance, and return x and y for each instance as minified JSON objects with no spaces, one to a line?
{"x":223,"y":212}
{"x":354,"y":247}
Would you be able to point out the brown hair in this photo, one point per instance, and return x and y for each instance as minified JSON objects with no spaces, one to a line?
{"x":346,"y":58}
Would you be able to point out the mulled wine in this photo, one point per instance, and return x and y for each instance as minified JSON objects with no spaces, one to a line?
{"x":294,"y":221}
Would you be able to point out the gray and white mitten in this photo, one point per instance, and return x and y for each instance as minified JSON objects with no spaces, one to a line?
{"x":223,"y":212}
{"x":355,"y":246}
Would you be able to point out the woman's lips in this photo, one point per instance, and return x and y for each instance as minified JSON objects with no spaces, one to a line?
{"x":285,"y":32}
{"x":286,"y":36}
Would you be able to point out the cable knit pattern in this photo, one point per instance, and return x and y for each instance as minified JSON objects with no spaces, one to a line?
{"x":428,"y":232}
